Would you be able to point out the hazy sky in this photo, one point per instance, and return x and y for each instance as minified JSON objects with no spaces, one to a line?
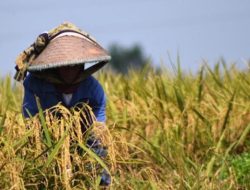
{"x":196,"y":29}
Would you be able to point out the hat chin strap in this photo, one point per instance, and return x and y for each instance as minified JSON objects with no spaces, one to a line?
{"x":53,"y":77}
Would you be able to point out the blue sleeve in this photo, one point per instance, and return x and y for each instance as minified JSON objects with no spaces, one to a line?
{"x":29,"y":101}
{"x":99,"y":103}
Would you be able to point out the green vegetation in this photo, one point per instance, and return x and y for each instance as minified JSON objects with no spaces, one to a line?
{"x":165,"y":130}
{"x":126,"y":58}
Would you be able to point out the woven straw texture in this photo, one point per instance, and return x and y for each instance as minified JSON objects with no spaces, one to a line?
{"x":68,"y":50}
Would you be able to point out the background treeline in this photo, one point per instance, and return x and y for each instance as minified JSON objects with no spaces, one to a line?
{"x":127,"y":58}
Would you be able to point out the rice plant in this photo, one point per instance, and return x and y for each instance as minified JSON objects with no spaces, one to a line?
{"x":164,"y":130}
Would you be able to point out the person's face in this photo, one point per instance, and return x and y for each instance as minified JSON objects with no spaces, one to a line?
{"x":69,"y":73}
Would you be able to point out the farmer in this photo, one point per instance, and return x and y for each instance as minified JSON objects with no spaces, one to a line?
{"x":55,"y":62}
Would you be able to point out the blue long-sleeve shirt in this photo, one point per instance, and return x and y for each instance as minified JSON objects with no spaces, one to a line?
{"x":89,"y":91}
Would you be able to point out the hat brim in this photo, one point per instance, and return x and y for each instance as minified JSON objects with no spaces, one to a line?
{"x":69,"y":51}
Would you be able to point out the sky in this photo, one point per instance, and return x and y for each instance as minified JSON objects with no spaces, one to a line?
{"x":197,"y":30}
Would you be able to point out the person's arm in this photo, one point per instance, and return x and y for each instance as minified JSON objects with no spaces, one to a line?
{"x":99,"y":106}
{"x":29,"y":106}
{"x":95,"y":144}
{"x":98,"y":103}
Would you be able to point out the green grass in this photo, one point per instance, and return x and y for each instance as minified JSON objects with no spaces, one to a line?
{"x":165,"y":130}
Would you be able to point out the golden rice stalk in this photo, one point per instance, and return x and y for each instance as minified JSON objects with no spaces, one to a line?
{"x":103,"y":133}
{"x":66,"y":162}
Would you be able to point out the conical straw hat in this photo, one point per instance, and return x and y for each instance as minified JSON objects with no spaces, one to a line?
{"x":65,"y":45}
{"x":68,"y":49}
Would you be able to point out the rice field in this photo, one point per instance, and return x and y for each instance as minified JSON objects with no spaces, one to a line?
{"x":166,"y":129}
